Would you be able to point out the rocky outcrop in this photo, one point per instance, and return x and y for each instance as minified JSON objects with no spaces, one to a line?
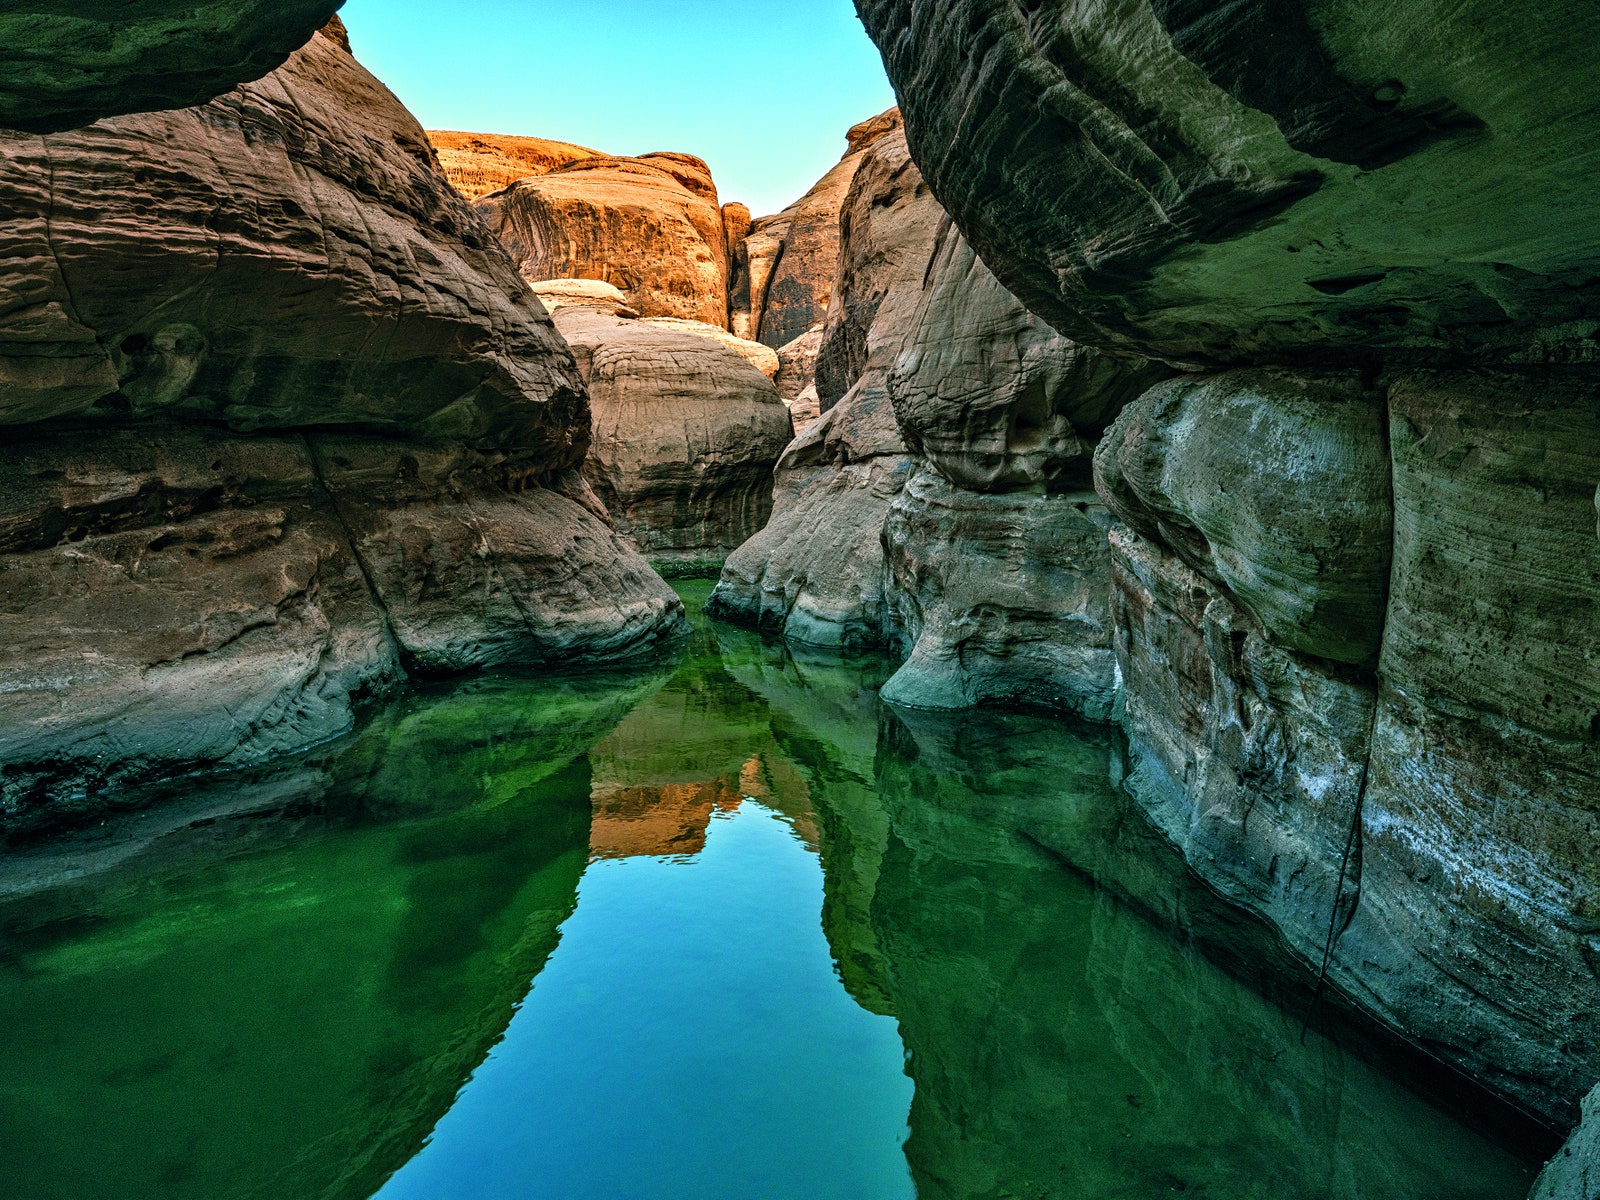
{"x":785,"y":272}
{"x":64,"y":66}
{"x":650,"y":226}
{"x":686,"y":432}
{"x":284,"y":425}
{"x":1574,"y":1173}
{"x":480,"y":163}
{"x":1354,"y":609}
{"x":941,"y":506}
{"x":816,"y":572}
{"x":1247,"y":184}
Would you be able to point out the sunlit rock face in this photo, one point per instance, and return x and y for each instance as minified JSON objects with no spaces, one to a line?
{"x":1354,"y":605}
{"x":277,"y":406}
{"x":479,"y":163}
{"x":651,"y":226}
{"x":686,"y":432}
{"x":65,"y":65}
{"x":1268,"y":180}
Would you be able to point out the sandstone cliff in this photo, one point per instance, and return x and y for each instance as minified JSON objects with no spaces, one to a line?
{"x":63,"y":66}
{"x":278,"y":405}
{"x":651,"y":226}
{"x":480,"y":163}
{"x":1354,"y":606}
{"x":941,"y":504}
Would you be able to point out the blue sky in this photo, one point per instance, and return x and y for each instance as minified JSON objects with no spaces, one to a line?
{"x":763,"y":90}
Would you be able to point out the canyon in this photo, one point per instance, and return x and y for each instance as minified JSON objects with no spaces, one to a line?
{"x":1235,"y":392}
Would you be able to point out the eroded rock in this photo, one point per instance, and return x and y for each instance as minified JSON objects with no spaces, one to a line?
{"x":480,"y":163}
{"x":650,"y":225}
{"x":65,"y":66}
{"x":686,"y":431}
{"x":1244,"y":184}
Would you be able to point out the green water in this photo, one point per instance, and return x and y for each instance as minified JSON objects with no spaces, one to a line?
{"x":729,"y":928}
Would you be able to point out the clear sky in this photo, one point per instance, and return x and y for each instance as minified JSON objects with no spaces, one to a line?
{"x":763,"y":90}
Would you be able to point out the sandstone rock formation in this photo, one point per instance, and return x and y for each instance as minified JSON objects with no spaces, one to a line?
{"x":1354,"y":613}
{"x":283,"y":425}
{"x":650,"y":225}
{"x":686,"y":431}
{"x":480,"y":163}
{"x":63,"y":66}
{"x":942,"y":505}
{"x":785,"y":272}
{"x":1244,"y":185}
{"x":816,"y":572}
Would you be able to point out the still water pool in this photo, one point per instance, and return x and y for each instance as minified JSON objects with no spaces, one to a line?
{"x":728,"y":929}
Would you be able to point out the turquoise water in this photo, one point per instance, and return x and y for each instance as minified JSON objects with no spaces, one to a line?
{"x":726,"y":928}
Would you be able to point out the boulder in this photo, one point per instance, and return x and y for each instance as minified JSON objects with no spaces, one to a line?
{"x":65,"y":66}
{"x":650,"y":225}
{"x":595,"y":294}
{"x":480,"y":163}
{"x":797,"y":364}
{"x":762,"y":358}
{"x":686,"y":432}
{"x":1275,"y":486}
{"x":284,"y":426}
{"x":1268,"y":181}
{"x":1574,"y":1173}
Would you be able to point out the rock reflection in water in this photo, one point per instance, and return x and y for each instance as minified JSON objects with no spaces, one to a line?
{"x":309,"y":981}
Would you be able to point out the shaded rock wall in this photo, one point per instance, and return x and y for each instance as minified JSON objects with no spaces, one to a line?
{"x":1354,"y":612}
{"x":64,"y":66}
{"x":284,"y":425}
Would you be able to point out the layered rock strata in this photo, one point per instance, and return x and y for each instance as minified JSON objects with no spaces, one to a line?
{"x":651,"y":226}
{"x":1354,"y":609}
{"x":64,"y":66}
{"x":284,"y":425}
{"x":686,"y":432}
{"x":964,"y":423}
{"x":479,"y":163}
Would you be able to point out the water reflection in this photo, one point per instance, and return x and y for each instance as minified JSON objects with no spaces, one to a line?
{"x":534,"y":937}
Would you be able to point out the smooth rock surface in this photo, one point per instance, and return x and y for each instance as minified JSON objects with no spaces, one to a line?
{"x":1284,"y":181}
{"x":1000,"y":599}
{"x":650,"y":225}
{"x":993,"y":397}
{"x":686,"y":432}
{"x":1574,"y":1173}
{"x":479,"y":163}
{"x":1275,"y":486}
{"x":66,"y":65}
{"x":797,"y":364}
{"x":284,"y":425}
{"x":762,"y":358}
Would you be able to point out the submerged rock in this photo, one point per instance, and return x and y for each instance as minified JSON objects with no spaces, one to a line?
{"x":686,"y":431}
{"x":63,"y":66}
{"x":284,"y":425}
{"x":650,"y":225}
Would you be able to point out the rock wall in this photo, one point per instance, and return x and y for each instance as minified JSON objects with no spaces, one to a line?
{"x":479,"y":163}
{"x":283,"y":426}
{"x":651,"y":226}
{"x":63,"y":66}
{"x":940,"y":504}
{"x":1354,"y":606}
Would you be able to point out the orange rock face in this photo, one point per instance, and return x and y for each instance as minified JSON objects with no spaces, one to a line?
{"x":651,"y":226}
{"x":480,"y":163}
